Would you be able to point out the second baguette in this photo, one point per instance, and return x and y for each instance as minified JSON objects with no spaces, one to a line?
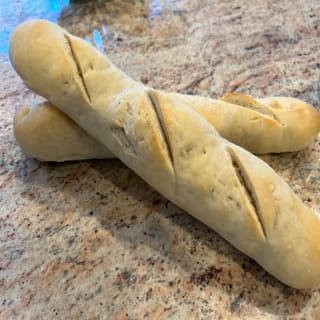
{"x":46,"y":133}
{"x":59,"y":138}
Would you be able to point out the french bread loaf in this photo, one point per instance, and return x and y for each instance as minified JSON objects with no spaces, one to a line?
{"x":217,"y":182}
{"x":62,"y":139}
{"x":44,"y":132}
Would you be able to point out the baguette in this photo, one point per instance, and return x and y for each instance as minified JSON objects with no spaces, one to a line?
{"x":61,"y":139}
{"x":44,"y":132}
{"x":217,"y":182}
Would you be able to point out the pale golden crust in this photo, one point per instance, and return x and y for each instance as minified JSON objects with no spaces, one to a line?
{"x":256,"y":125}
{"x":46,"y":133}
{"x":300,"y":120}
{"x":297,"y":126}
{"x":217,"y":182}
{"x":292,"y":248}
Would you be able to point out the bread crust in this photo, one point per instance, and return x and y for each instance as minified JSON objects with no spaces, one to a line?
{"x":293,"y":129}
{"x":47,"y":134}
{"x":296,"y":127}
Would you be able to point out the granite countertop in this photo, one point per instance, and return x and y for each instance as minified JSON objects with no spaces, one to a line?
{"x":90,"y":239}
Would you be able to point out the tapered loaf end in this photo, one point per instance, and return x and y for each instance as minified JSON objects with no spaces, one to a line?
{"x":46,"y":133}
{"x":41,"y":53}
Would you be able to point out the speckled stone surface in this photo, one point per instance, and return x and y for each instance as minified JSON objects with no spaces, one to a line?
{"x":90,"y":240}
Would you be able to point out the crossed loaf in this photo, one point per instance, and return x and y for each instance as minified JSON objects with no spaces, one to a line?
{"x":175,"y":149}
